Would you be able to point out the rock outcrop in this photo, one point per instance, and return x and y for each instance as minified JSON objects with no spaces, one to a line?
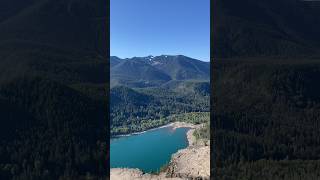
{"x":190,"y":163}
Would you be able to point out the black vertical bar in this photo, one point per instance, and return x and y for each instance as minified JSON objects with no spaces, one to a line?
{"x":213,"y":167}
{"x":108,"y":89}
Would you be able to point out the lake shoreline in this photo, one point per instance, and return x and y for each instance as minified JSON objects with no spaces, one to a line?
{"x":192,"y":162}
{"x":175,"y":125}
{"x":177,"y":161}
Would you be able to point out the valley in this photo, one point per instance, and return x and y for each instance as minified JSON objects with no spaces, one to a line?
{"x":143,"y":104}
{"x":151,"y":94}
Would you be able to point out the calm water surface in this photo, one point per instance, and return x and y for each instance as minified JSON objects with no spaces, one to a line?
{"x":147,"y":151}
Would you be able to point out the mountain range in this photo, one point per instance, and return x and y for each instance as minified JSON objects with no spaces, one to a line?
{"x":278,"y":28}
{"x":157,"y":70}
{"x":54,"y":81}
{"x":145,"y":90}
{"x":53,"y":89}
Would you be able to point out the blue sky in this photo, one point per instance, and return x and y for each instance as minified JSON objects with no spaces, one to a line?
{"x":156,"y":27}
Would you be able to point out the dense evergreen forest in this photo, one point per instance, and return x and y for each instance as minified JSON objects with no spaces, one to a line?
{"x":146,"y":91}
{"x":265,"y":89}
{"x":268,"y":126}
{"x":134,"y":110}
{"x":53,"y":90}
{"x":55,"y":131}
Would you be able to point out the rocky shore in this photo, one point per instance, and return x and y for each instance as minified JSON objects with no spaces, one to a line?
{"x":192,"y":162}
{"x":136,"y":174}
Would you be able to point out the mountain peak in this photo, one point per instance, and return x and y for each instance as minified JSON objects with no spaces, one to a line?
{"x":149,"y":58}
{"x":156,"y":70}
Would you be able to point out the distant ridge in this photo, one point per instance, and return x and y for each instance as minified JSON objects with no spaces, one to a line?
{"x":156,"y":70}
{"x":64,"y":24}
{"x":251,"y":28}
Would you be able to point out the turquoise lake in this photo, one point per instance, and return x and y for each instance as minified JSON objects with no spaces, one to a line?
{"x":147,"y":151}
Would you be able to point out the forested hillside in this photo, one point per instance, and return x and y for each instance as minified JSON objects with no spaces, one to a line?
{"x":265,"y":94}
{"x":266,"y":28}
{"x":145,"y":91}
{"x":53,"y":89}
{"x":134,"y":110}
{"x":272,"y":117}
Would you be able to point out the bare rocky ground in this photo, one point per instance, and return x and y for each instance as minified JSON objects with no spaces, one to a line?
{"x":192,"y":162}
{"x":136,"y":174}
